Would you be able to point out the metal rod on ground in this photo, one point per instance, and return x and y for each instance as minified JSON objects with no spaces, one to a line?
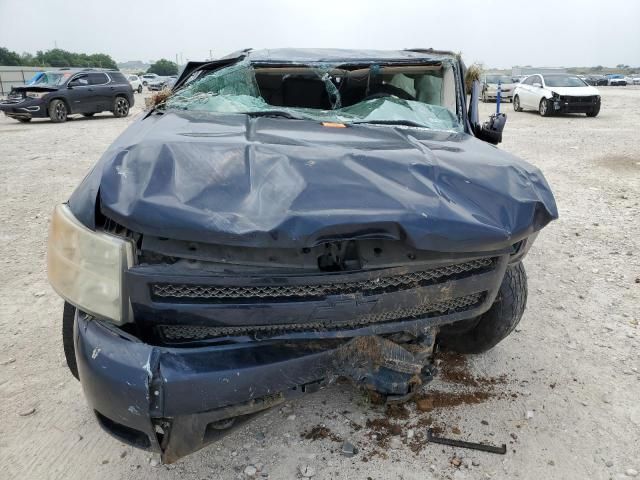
{"x":459,"y":443}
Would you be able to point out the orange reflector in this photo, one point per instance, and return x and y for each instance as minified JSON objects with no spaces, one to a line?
{"x":333,"y":125}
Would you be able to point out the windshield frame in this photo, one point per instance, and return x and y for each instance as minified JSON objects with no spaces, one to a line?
{"x":456,"y":99}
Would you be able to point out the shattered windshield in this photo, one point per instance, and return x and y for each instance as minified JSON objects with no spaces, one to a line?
{"x":411,"y":95}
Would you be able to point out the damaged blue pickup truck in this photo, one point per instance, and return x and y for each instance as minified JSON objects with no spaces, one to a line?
{"x":283,"y":218}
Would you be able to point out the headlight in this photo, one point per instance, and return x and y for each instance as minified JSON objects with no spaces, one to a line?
{"x":87,"y":268}
{"x":36,"y":94}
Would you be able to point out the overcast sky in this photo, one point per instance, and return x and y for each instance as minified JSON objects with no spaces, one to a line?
{"x":497,"y":33}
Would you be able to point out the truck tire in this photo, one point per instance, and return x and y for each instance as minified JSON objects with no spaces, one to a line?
{"x":58,"y":111}
{"x":487,"y":330}
{"x":68,"y":319}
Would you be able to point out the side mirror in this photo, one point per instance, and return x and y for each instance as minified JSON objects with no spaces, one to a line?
{"x":537,"y":85}
{"x":490,"y":131}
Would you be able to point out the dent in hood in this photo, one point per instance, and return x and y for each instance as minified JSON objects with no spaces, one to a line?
{"x":235,"y":180}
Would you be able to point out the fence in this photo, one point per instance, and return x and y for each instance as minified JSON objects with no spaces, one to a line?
{"x":16,"y":76}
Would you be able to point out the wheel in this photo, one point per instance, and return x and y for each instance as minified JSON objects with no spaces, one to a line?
{"x":88,"y":114}
{"x":144,"y":83}
{"x":23,"y":119}
{"x":486,"y":331}
{"x":594,"y":111}
{"x":121,"y":107}
{"x":139,"y":88}
{"x":68,"y":319}
{"x":544,"y":108}
{"x":58,"y":111}
{"x":516,"y":104}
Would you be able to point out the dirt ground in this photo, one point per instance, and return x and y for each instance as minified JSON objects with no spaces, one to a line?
{"x":566,"y":385}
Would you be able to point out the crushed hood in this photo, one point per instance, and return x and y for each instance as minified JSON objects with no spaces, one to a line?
{"x":236,"y":180}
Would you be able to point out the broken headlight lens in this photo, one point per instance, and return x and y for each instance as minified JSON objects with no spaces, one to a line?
{"x":86,"y":267}
{"x":36,"y":94}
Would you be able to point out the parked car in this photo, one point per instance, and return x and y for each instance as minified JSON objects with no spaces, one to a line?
{"x":58,"y":94}
{"x":262,"y":231}
{"x":616,"y":80}
{"x":635,"y":80}
{"x":556,"y":93}
{"x":597,"y":80}
{"x":490,"y":87}
{"x":148,"y":77}
{"x":136,"y":83}
{"x":162,"y":83}
{"x":171,"y":81}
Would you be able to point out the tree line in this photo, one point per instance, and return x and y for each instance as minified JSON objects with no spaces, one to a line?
{"x":56,"y":57}
{"x":63,"y":58}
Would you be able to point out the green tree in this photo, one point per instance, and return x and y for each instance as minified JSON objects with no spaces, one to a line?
{"x":9,"y":58}
{"x":163,"y":67}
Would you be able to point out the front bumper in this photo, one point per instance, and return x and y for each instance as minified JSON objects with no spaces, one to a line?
{"x":29,"y":108}
{"x":173,"y":399}
{"x":565,"y":104}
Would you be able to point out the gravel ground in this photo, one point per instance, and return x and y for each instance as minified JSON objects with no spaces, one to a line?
{"x":568,"y":381}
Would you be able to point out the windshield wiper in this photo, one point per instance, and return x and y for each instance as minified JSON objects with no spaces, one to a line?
{"x":406,"y":123}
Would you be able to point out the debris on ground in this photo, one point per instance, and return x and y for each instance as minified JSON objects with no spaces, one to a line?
{"x":461,"y":444}
{"x":348,"y":449}
{"x":319,"y":432}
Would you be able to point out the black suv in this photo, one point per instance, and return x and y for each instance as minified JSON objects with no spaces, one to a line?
{"x":58,"y":94}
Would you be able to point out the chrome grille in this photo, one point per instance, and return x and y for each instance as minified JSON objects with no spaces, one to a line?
{"x":197,"y":332}
{"x":388,"y":283}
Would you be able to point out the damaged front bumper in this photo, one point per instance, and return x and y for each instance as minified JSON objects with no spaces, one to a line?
{"x":176,"y":399}
{"x":571,"y":104}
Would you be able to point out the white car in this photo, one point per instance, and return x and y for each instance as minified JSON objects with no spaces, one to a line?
{"x":556,"y":93}
{"x":148,"y":77}
{"x":135,"y":82}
